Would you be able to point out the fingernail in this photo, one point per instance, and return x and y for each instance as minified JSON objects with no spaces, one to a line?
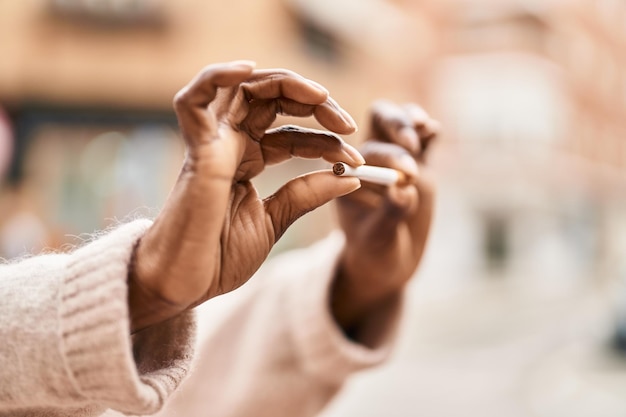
{"x":348,"y":119}
{"x":318,"y":86}
{"x":408,"y":165}
{"x":355,"y":155}
{"x":410,"y":136}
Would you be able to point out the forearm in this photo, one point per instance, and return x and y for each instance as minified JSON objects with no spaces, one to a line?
{"x":361,"y":315}
{"x":273,"y":345}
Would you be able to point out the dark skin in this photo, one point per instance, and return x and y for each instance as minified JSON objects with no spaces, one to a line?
{"x":386,"y":227}
{"x":214,"y":230}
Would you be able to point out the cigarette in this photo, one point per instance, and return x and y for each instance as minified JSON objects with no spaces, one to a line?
{"x":369,"y":173}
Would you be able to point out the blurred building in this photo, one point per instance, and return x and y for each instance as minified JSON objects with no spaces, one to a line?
{"x":75,"y":72}
{"x":531,"y":94}
{"x":522,"y":298}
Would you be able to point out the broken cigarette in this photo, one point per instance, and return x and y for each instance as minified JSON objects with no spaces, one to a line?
{"x":369,"y":173}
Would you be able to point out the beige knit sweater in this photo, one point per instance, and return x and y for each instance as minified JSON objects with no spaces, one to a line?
{"x":270,"y":348}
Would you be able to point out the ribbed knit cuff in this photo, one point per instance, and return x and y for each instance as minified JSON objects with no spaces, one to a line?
{"x":104,"y":361}
{"x":325,"y":350}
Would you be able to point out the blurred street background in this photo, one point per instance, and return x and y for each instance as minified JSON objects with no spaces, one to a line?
{"x":519,"y":308}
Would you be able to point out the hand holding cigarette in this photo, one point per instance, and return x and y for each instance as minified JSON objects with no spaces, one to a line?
{"x":385,"y":227}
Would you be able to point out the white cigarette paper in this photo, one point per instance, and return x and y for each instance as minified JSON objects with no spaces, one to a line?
{"x":369,"y":173}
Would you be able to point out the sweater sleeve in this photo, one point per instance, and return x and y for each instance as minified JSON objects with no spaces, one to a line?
{"x":272,"y":347}
{"x":66,"y":347}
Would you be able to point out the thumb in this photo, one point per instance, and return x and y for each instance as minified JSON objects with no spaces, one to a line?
{"x":303,"y":194}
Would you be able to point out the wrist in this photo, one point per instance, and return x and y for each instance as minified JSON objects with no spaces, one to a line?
{"x":366,"y":320}
{"x":145,"y":306}
{"x":354,"y":298}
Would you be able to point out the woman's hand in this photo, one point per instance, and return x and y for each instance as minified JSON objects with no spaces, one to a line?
{"x":385,"y":227}
{"x":214,"y":230}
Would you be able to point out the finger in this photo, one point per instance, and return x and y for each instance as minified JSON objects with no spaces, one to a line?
{"x":192,"y":100}
{"x":289,"y":141}
{"x":417,"y":113}
{"x":330,"y":115}
{"x":271,"y":84}
{"x":391,"y":123}
{"x":433,"y":129}
{"x":398,"y":198}
{"x":396,"y":201}
{"x":262,"y":113}
{"x":201,"y":90}
{"x":390,"y":155}
{"x":379,"y":212}
{"x":420,"y":222}
{"x":426,"y":127}
{"x":413,"y":204}
{"x":303,"y":194}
